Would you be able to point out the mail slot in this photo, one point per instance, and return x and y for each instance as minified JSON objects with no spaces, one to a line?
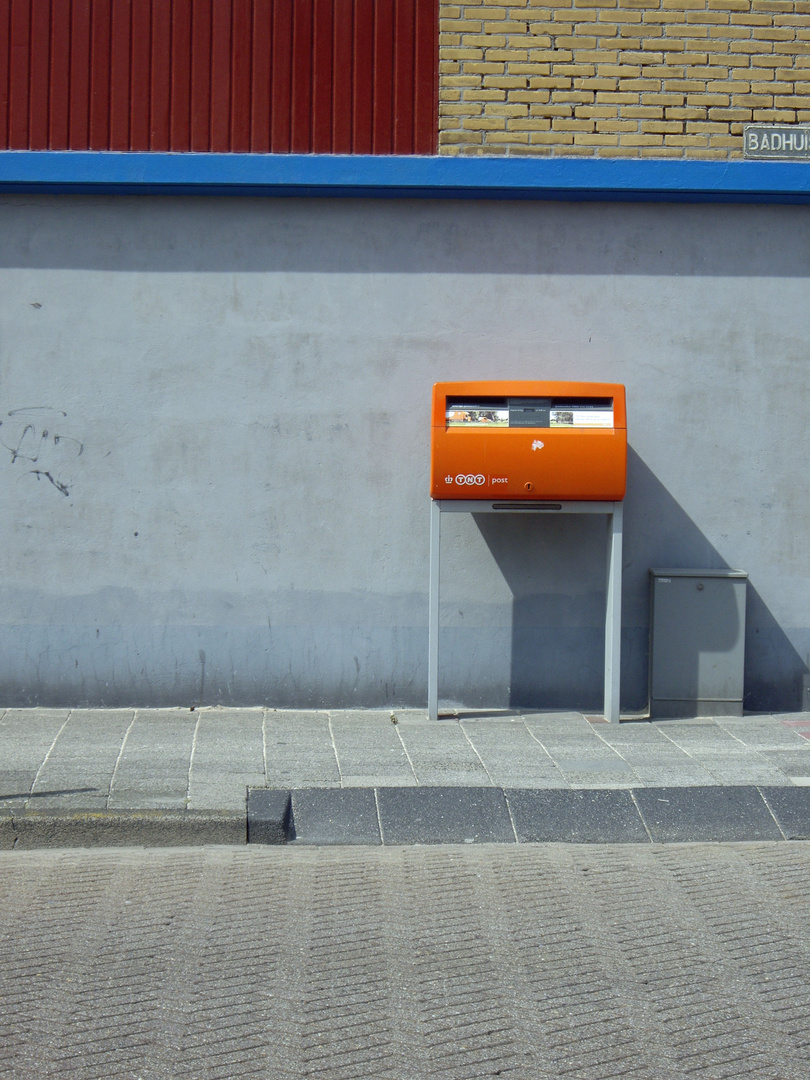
{"x":529,"y":440}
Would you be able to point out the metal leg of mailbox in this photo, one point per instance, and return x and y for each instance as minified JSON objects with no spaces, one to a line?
{"x":433,"y":613}
{"x":613,"y":616}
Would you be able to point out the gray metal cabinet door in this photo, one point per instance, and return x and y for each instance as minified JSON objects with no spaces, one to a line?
{"x":697,"y":642}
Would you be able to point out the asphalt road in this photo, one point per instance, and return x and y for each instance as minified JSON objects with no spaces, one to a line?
{"x":524,"y":962}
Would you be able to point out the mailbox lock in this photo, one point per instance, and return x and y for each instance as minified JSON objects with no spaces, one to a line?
{"x":700,"y":586}
{"x":529,"y":486}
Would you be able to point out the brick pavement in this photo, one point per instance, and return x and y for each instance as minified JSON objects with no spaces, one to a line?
{"x":535,"y":963}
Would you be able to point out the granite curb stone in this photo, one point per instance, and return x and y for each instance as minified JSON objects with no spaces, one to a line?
{"x":586,"y":816}
{"x":269,"y":816}
{"x":791,"y":808}
{"x":444,"y":815}
{"x":334,"y":816}
{"x":706,"y":814}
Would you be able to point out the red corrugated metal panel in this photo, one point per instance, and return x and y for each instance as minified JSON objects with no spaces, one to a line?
{"x":5,"y":35}
{"x":120,"y":79}
{"x":382,"y":120}
{"x":301,"y":76}
{"x":201,"y":76}
{"x":59,"y":106}
{"x":39,"y":76}
{"x":180,"y":83}
{"x":78,"y":136}
{"x":221,"y":78}
{"x":322,"y":74}
{"x":241,"y":81}
{"x":160,"y":87}
{"x":342,"y":77}
{"x":100,"y":42}
{"x":403,"y":82}
{"x":301,"y":119}
{"x":140,"y":74}
{"x":261,"y":39}
{"x":363,"y":76}
{"x":19,"y":73}
{"x":281,"y":78}
{"x":425,"y":82}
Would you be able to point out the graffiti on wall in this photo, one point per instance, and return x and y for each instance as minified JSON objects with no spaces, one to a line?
{"x":36,"y":444}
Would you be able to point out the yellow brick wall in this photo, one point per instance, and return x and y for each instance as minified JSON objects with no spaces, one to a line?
{"x":619,"y":78}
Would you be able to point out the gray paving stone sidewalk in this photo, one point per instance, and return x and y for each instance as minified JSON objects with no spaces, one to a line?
{"x":175,"y":759}
{"x":528,"y":962}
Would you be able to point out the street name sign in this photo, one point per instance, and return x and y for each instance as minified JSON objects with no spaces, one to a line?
{"x":785,"y":141}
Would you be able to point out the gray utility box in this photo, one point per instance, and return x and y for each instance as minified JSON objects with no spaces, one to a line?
{"x":697,"y":642}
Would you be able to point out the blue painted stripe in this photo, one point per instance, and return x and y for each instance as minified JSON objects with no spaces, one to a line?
{"x":404,"y":177}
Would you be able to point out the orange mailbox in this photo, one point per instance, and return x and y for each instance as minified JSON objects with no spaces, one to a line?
{"x":529,"y":440}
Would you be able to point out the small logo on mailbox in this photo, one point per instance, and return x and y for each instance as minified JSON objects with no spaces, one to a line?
{"x":471,"y":480}
{"x":538,"y":444}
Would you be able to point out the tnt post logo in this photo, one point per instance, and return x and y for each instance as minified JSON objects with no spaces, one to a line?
{"x":470,"y":479}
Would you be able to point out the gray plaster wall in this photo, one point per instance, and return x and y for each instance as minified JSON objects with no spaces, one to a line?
{"x":215,"y":443}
